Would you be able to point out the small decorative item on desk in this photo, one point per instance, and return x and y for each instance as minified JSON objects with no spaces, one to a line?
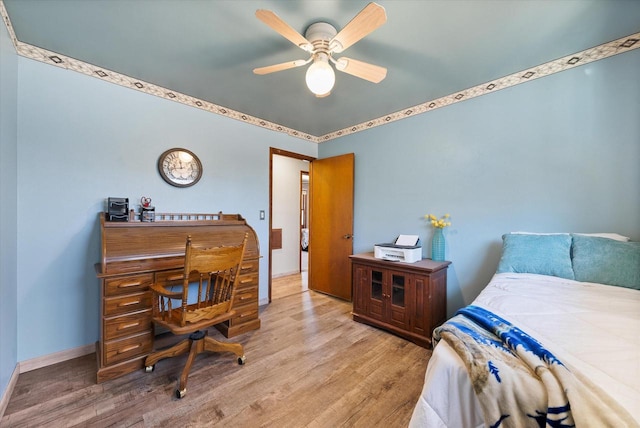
{"x":147,"y":213}
{"x":117,"y":209}
{"x":438,"y":243}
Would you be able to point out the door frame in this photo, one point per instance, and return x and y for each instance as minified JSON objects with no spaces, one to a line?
{"x":274,"y":151}
{"x":304,"y":208}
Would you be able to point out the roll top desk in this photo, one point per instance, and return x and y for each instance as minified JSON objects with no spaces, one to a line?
{"x":136,"y":254}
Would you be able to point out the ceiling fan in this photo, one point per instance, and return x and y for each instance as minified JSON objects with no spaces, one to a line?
{"x":322,"y":41}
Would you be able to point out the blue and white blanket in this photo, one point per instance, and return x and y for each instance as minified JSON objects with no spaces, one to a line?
{"x":518,"y":382}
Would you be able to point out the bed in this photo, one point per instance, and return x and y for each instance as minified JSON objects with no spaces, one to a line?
{"x":576,"y":299}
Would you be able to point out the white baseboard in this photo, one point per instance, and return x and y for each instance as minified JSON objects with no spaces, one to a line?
{"x":278,"y":275}
{"x":56,"y":357}
{"x":4,"y":401}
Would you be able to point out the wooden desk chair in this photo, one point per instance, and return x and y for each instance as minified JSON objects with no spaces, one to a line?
{"x":216,"y":271}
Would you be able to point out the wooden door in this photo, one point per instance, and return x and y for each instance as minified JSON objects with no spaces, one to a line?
{"x":396,"y":311}
{"x":360,"y":276}
{"x":376,"y":292}
{"x":331,"y":225}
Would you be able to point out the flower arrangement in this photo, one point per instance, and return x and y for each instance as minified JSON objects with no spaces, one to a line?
{"x":439,"y":223}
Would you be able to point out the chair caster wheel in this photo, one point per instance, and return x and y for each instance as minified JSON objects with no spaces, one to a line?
{"x":242,"y":360}
{"x":149,"y":369}
{"x":181,"y":393}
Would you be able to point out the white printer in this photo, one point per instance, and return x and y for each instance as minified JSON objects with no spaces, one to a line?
{"x":406,"y":248}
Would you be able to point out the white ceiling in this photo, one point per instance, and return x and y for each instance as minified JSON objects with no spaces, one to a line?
{"x":207,"y":49}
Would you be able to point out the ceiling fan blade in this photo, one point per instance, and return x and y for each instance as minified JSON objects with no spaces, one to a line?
{"x":363,"y":70}
{"x":279,"y":67}
{"x":369,"y":18}
{"x":284,"y":29}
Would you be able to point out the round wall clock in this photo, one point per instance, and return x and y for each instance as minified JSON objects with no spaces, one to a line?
{"x":180,"y":167}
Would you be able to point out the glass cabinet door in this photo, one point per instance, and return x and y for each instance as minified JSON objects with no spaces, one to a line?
{"x":397,"y":289}
{"x":376,"y":285}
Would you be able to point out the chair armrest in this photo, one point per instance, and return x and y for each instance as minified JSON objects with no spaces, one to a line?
{"x":159,"y":289}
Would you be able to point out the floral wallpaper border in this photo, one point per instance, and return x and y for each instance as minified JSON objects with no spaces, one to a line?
{"x":605,"y":50}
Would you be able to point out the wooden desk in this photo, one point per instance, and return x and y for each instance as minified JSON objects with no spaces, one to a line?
{"x":136,"y":254}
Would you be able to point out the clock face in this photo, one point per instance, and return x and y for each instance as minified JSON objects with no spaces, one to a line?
{"x":180,"y":167}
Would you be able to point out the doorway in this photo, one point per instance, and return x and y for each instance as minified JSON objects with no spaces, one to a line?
{"x":288,"y":222}
{"x":304,"y":221}
{"x":330,"y":223}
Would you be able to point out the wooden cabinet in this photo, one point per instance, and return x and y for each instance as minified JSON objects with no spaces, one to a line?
{"x":408,"y":299}
{"x":137,"y":254}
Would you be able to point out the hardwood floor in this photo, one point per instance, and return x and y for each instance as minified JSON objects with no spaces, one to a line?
{"x":309,"y":365}
{"x":287,"y":285}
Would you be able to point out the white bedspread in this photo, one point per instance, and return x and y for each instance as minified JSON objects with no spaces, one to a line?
{"x":593,"y":329}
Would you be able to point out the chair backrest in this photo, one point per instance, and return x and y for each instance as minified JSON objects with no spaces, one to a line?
{"x":216,"y":271}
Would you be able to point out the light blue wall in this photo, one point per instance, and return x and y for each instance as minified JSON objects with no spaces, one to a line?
{"x":8,"y":210}
{"x":83,"y":140}
{"x":556,"y":154}
{"x":561,"y":153}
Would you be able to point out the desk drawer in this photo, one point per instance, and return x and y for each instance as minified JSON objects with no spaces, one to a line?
{"x":144,"y":265}
{"x":126,"y":325}
{"x":127,"y":304}
{"x":247,"y":305}
{"x":244,"y":313}
{"x":173,"y":276}
{"x":123,"y":349}
{"x":127,"y":284}
{"x":247,"y":281}
{"x":246,"y":296}
{"x":248,"y":266}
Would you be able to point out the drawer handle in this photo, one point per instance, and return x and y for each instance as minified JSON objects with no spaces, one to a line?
{"x":246,"y":281}
{"x":128,"y":348}
{"x":123,"y":327}
{"x":129,"y":284}
{"x":174,"y":277}
{"x":245,"y":298}
{"x":245,"y":267}
{"x":133,"y":302}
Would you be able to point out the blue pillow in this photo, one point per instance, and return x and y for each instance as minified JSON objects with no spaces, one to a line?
{"x":540,"y":254}
{"x":606,"y":261}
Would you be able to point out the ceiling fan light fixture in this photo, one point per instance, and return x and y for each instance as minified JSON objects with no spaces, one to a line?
{"x":322,"y":40}
{"x":320,"y":76}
